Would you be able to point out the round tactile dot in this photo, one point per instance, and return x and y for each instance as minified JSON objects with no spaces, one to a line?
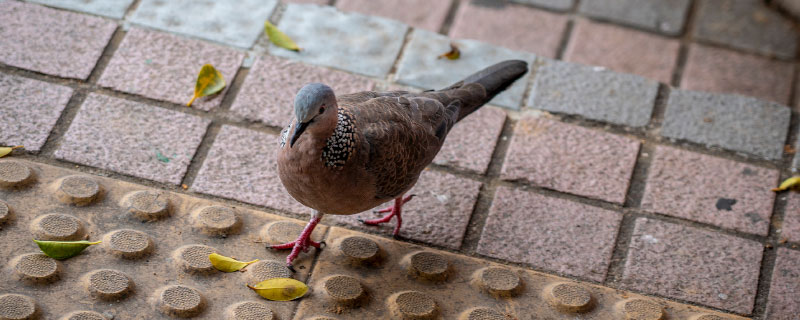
{"x":412,"y":305}
{"x":84,"y":315}
{"x":358,"y":249}
{"x":180,"y":301}
{"x":266,"y":269}
{"x":78,"y":190}
{"x":58,"y":227}
{"x":36,"y":268}
{"x":249,"y":310}
{"x":217,"y":221}
{"x":17,"y":307}
{"x":127,"y":243}
{"x":5,"y":212}
{"x":343,"y":289}
{"x":194,"y":258}
{"x":107,"y":284}
{"x":706,"y":317}
{"x":14,"y":174}
{"x":147,"y":205}
{"x":568,"y":297}
{"x":281,"y":232}
{"x":498,"y":281}
{"x":482,"y":313}
{"x":640,"y":309}
{"x":427,"y":265}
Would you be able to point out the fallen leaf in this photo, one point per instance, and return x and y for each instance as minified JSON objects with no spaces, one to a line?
{"x":227,"y":264}
{"x":279,"y":38}
{"x":280,"y":289}
{"x":792,"y":182}
{"x":4,"y":151}
{"x":453,"y":54}
{"x":184,"y":186}
{"x":209,"y":81}
{"x":789,"y":149}
{"x":63,"y":249}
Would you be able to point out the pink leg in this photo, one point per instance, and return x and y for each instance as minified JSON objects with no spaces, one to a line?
{"x":396,"y":211}
{"x":303,"y":242}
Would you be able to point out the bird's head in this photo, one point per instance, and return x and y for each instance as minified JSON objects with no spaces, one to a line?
{"x":314,"y":107}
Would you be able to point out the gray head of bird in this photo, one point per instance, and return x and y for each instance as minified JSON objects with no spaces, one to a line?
{"x":314,"y":108}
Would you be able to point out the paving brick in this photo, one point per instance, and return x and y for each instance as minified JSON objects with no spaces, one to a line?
{"x":423,"y":14}
{"x":791,"y":217}
{"x":593,"y":92}
{"x":571,"y":159}
{"x":319,"y":2}
{"x":516,"y":27}
{"x":784,"y":291}
{"x":552,"y":234}
{"x":132,"y":138}
{"x":30,"y":109}
{"x":51,"y":41}
{"x":470,"y":144}
{"x":211,"y":20}
{"x":692,"y":264}
{"x":712,"y":190}
{"x":667,"y":17}
{"x":438,"y":215}
{"x":108,"y":8}
{"x":267,"y":94}
{"x":243,"y":165}
{"x":420,"y":67}
{"x":747,"y":25}
{"x":163,"y":66}
{"x":622,"y":50}
{"x":720,"y":70}
{"x":561,"y":5}
{"x":796,"y":161}
{"x":732,"y":122}
{"x":352,"y":42}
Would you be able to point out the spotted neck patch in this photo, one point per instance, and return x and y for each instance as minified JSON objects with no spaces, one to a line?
{"x":341,"y":145}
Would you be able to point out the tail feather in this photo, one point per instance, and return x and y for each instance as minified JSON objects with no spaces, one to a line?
{"x":493,"y":80}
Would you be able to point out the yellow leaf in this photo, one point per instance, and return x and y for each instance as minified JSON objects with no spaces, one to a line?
{"x":453,"y":54}
{"x":209,"y":81}
{"x":63,"y":249}
{"x":279,"y":38}
{"x":226,"y":264}
{"x":793,"y":182}
{"x":4,"y":151}
{"x":280,"y":289}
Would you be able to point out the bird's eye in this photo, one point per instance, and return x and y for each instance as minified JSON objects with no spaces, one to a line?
{"x":321,"y":109}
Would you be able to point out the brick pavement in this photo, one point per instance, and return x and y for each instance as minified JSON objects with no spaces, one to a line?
{"x":628,"y":182}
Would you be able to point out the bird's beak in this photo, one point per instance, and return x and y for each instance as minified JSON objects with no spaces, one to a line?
{"x":298,"y":130}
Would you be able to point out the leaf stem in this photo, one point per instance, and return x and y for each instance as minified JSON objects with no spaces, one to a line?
{"x":190,"y":101}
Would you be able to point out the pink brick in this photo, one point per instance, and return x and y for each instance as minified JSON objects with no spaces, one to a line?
{"x":553,"y":234}
{"x":30,"y":109}
{"x":710,"y":190}
{"x":622,"y":50}
{"x":691,"y":264}
{"x":791,"y":217}
{"x":164,"y":67}
{"x":438,"y":215}
{"x":267,"y":94}
{"x":571,"y":159}
{"x":784,"y":291}
{"x":319,"y":2}
{"x":470,"y":144}
{"x":725,"y":71}
{"x":50,"y":41}
{"x":513,"y":26}
{"x":424,"y":14}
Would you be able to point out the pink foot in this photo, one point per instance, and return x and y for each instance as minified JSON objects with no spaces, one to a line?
{"x":303,"y":242}
{"x":395,"y":210}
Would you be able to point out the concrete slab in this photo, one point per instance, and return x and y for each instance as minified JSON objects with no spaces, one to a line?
{"x":30,"y":110}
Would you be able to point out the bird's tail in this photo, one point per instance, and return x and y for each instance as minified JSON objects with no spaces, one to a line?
{"x":491,"y":80}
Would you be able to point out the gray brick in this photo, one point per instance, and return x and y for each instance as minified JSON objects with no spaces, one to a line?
{"x":562,"y":5}
{"x":665,"y":16}
{"x":593,"y":92}
{"x":732,"y":122}
{"x":747,"y":25}
{"x":107,"y":8}
{"x":349,"y":41}
{"x":421,"y":67}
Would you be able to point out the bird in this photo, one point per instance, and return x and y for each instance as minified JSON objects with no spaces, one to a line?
{"x":348,"y":154}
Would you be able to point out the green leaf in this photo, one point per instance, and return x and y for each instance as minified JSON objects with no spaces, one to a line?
{"x":793,"y":182}
{"x":226,"y":264}
{"x":63,"y":249}
{"x":453,"y":54}
{"x":4,"y":151}
{"x":209,"y":81}
{"x":279,"y":38}
{"x":280,"y":289}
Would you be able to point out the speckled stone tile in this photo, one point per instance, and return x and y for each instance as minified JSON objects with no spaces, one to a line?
{"x":552,"y":234}
{"x":790,"y":230}
{"x":470,"y":144}
{"x":51,"y":41}
{"x":423,"y":14}
{"x":784,"y":290}
{"x":267,"y":94}
{"x":366,"y":45}
{"x":692,"y":264}
{"x":711,"y":190}
{"x":164,"y":67}
{"x":747,"y":25}
{"x":570,"y":158}
{"x":516,"y":27}
{"x":232,"y":22}
{"x":243,"y":165}
{"x":420,"y":67}
{"x":720,"y":70}
{"x":108,"y":8}
{"x":733,"y":122}
{"x":622,"y":50}
{"x":438,"y":214}
{"x":666,"y":17}
{"x":132,"y":138}
{"x":561,"y":5}
{"x":30,"y":109}
{"x":593,"y":92}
